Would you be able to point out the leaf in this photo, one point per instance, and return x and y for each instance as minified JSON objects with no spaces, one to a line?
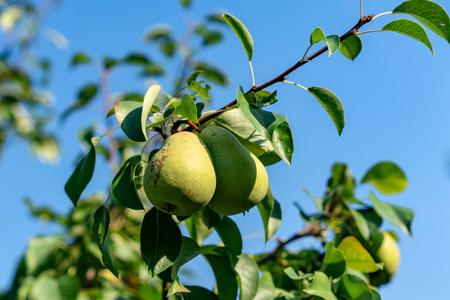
{"x":212,"y":73}
{"x":49,"y":288}
{"x":266,"y":287}
{"x":123,"y":187}
{"x":85,"y":95}
{"x":334,"y":262}
{"x":107,"y":260}
{"x":41,"y":251}
{"x":351,"y":47}
{"x":197,"y":85}
{"x":81,"y":176}
{"x":230,"y":235}
{"x":136,"y":59}
{"x":197,"y":293}
{"x":189,"y":250}
{"x":411,"y":29}
{"x":45,"y":147}
{"x":429,"y":13}
{"x":227,"y":284}
{"x":187,"y":108}
{"x":270,"y":212}
{"x":149,"y":99}
{"x":294,"y":275}
{"x":356,"y":256}
{"x":398,"y":216}
{"x":353,"y":287}
{"x":80,"y":58}
{"x":271,"y":126}
{"x":248,"y":274}
{"x":177,"y":287}
{"x":310,"y":218}
{"x":129,"y":114}
{"x":159,"y":118}
{"x":332,"y":105}
{"x":367,"y":221}
{"x":160,"y":241}
{"x":332,"y":41}
{"x":387,"y":177}
{"x":242,"y":33}
{"x":210,"y":218}
{"x":197,"y":229}
{"x":321,"y":287}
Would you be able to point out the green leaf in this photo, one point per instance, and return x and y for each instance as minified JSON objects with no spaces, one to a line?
{"x":107,"y":260}
{"x":332,"y":41}
{"x":387,"y":177}
{"x":230,"y":235}
{"x":334,"y":262}
{"x":160,"y":241}
{"x":40,"y":253}
{"x":177,"y":287}
{"x":351,"y":47}
{"x":367,"y":221}
{"x":210,"y":218}
{"x":128,"y":114}
{"x":197,"y":85}
{"x":294,"y":275}
{"x":101,"y":224}
{"x":80,"y":58}
{"x":353,"y":287}
{"x":266,"y":287}
{"x":226,"y":280}
{"x":398,"y":216}
{"x":85,"y":95}
{"x":136,"y":59}
{"x":159,"y":118}
{"x":149,"y":99}
{"x":242,"y":33}
{"x":273,"y":127}
{"x":429,"y":13}
{"x":356,"y":256}
{"x":197,"y":293}
{"x":248,"y":277}
{"x":49,"y":288}
{"x":212,"y":73}
{"x":332,"y":105}
{"x":197,"y":229}
{"x":123,"y":187}
{"x":45,"y":147}
{"x":189,"y":250}
{"x":411,"y":29}
{"x":321,"y":287}
{"x":81,"y":176}
{"x":310,"y":218}
{"x":187,"y":108}
{"x":270,"y":212}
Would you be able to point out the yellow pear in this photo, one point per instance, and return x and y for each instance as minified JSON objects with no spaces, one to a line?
{"x":241,"y":178}
{"x":180,"y":177}
{"x":388,"y":253}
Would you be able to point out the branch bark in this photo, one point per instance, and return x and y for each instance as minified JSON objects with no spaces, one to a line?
{"x":282,"y":76}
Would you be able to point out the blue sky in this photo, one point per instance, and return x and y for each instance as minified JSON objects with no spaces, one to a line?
{"x":396,"y":98}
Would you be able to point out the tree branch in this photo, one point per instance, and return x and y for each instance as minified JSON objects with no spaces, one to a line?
{"x":310,"y":230}
{"x":283,"y":75}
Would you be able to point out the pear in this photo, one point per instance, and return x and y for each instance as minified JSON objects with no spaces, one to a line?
{"x":242,"y":180}
{"x":388,"y":253}
{"x":180,"y":178}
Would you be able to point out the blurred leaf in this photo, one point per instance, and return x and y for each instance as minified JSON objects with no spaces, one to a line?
{"x":398,"y":216}
{"x":411,"y":29}
{"x":80,"y":58}
{"x":310,"y":218}
{"x":242,"y":33}
{"x":197,"y":85}
{"x":157,"y":33}
{"x":198,"y":293}
{"x":128,"y":114}
{"x":49,"y":288}
{"x":332,"y":41}
{"x":212,"y":73}
{"x":270,"y":212}
{"x":85,"y":95}
{"x":136,"y":59}
{"x":100,"y":229}
{"x":332,"y":105}
{"x":160,"y":241}
{"x":321,"y":287}
{"x":429,"y":13}
{"x":271,"y":126}
{"x":248,"y":277}
{"x":333,"y":262}
{"x":210,"y":218}
{"x":266,"y":288}
{"x":187,"y":108}
{"x":41,"y":252}
{"x":353,"y":287}
{"x":123,"y":187}
{"x":149,"y":99}
{"x":356,"y":256}
{"x":294,"y":275}
{"x":367,"y":221}
{"x":81,"y":176}
{"x":230,"y":235}
{"x":197,"y":229}
{"x":200,"y":106}
{"x":209,"y":37}
{"x":351,"y":47}
{"x":109,"y":62}
{"x":45,"y":147}
{"x":186,"y":3}
{"x":387,"y":177}
{"x":159,"y":118}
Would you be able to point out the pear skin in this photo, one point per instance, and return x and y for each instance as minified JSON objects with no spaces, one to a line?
{"x":388,"y":253}
{"x":180,"y":178}
{"x":242,"y":180}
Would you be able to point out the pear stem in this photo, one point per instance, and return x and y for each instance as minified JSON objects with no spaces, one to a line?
{"x":194,"y":126}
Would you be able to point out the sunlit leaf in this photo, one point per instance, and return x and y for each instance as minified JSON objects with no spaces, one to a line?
{"x":356,"y":256}
{"x":248,"y":277}
{"x":332,"y":41}
{"x":187,"y":108}
{"x":411,"y":29}
{"x":351,"y":47}
{"x":332,"y":105}
{"x":270,"y":212}
{"x":242,"y":33}
{"x":334,"y":262}
{"x":387,"y":177}
{"x":321,"y":287}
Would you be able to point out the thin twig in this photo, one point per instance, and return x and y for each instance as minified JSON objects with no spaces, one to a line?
{"x":283,"y":75}
{"x":194,"y":126}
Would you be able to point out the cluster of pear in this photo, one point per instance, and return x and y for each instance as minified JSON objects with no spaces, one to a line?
{"x":214,"y":169}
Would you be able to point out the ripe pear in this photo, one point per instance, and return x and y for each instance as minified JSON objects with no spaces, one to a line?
{"x":388,"y":253}
{"x":241,"y":178}
{"x":180,"y":178}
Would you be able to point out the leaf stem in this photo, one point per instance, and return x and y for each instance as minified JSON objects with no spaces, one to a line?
{"x":253,"y":74}
{"x":361,"y":9}
{"x":382,"y":14}
{"x":108,"y":132}
{"x":306,"y":52}
{"x":369,"y":31}
{"x":296,"y":84}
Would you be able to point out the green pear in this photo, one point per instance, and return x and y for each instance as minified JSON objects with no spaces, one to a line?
{"x":241,"y":178}
{"x":388,"y":253}
{"x":180,"y":178}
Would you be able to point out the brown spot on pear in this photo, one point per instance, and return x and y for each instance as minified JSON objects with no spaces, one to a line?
{"x":242,"y":180}
{"x":180,"y":178}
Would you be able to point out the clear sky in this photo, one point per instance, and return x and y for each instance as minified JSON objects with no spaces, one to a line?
{"x":396,"y":98}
